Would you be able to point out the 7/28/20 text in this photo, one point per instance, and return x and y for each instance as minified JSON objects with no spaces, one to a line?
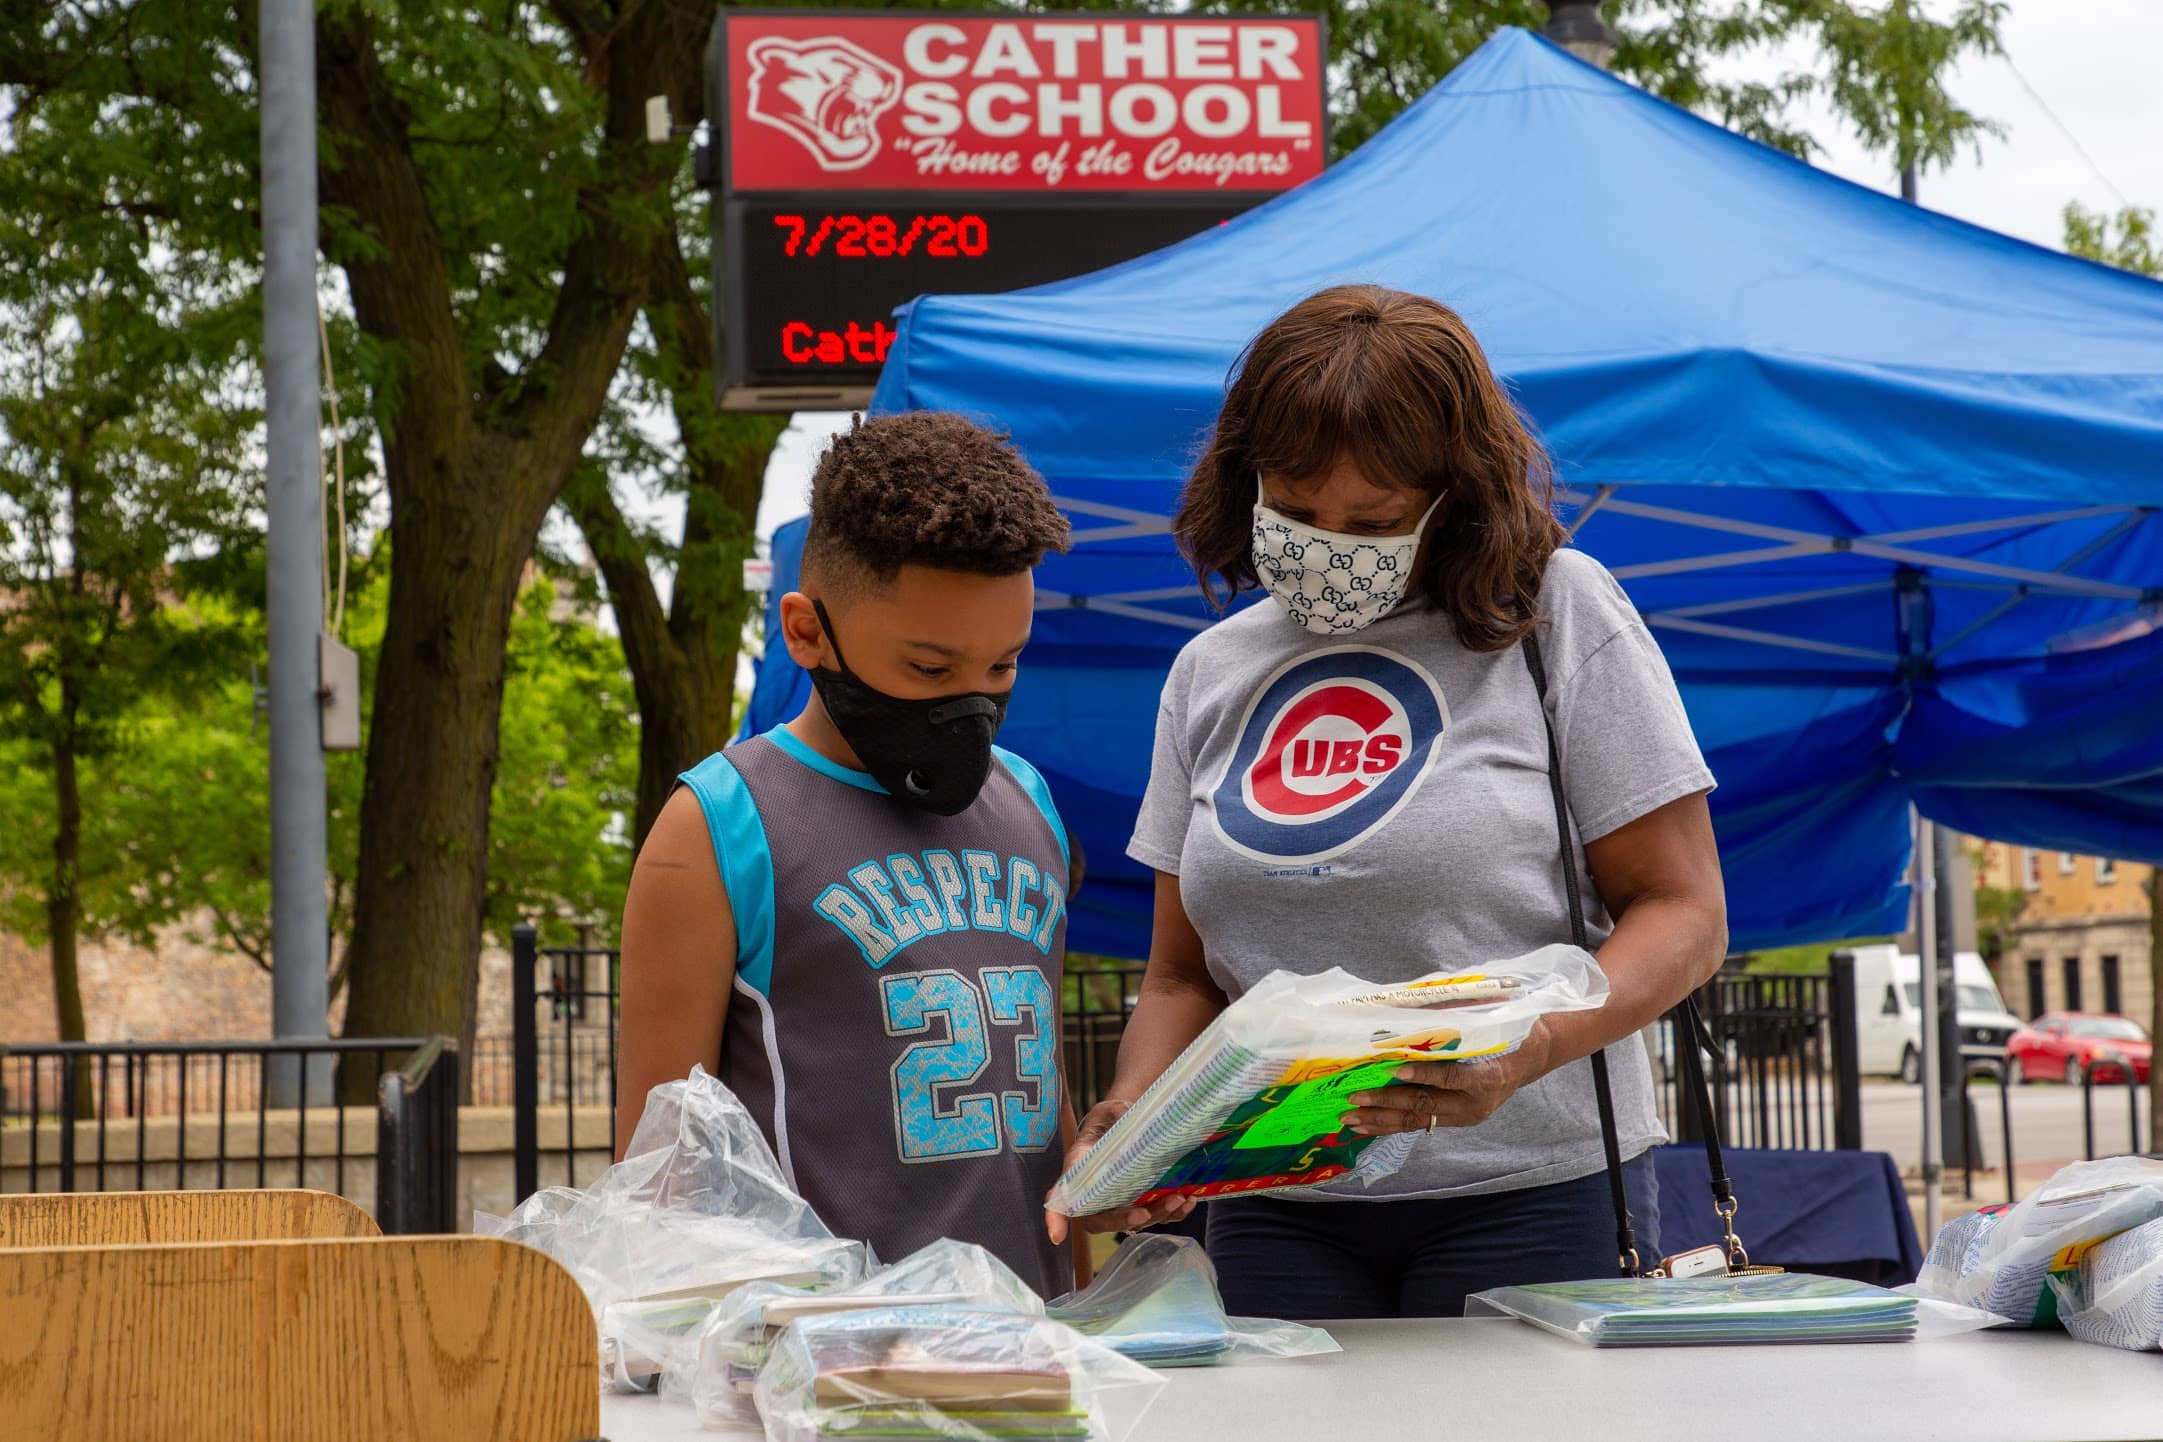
{"x":864,"y":237}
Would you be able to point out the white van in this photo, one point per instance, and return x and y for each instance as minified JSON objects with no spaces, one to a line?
{"x":1889,"y":1013}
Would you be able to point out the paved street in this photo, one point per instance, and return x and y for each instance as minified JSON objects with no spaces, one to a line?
{"x":2047,"y":1122}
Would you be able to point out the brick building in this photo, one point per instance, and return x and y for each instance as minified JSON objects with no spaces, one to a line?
{"x":2081,"y":941}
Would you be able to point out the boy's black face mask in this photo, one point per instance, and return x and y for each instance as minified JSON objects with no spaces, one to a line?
{"x":933,"y":754}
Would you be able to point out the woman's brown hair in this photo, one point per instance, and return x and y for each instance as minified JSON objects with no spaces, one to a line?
{"x":1395,"y":384}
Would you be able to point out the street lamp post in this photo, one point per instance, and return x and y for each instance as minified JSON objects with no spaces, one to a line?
{"x":299,"y":932}
{"x":1576,"y":26}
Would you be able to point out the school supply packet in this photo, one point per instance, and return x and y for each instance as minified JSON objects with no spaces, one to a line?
{"x":948,"y":1372}
{"x":1157,"y":1302}
{"x":2005,"y":1258}
{"x":1255,"y":1103}
{"x":697,"y":1209}
{"x":2115,"y":1296}
{"x":733,"y":1341}
{"x":1780,"y":1308}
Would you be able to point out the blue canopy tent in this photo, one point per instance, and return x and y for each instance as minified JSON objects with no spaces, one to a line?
{"x":1882,"y":482}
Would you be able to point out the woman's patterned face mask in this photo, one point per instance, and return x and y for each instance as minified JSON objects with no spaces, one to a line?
{"x":1332,"y":584}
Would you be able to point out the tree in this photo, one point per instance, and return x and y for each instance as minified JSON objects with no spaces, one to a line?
{"x":2126,"y":240}
{"x":176,"y":809}
{"x":683,"y":655}
{"x":185,"y":810}
{"x":560,"y":850}
{"x":1997,"y":917}
{"x":189,"y":810}
{"x":121,"y":415}
{"x":1886,"y":72}
{"x":491,"y":203}
{"x":504,"y":203}
{"x":1388,"y":53}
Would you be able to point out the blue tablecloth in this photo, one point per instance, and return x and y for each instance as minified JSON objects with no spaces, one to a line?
{"x":1840,"y":1214}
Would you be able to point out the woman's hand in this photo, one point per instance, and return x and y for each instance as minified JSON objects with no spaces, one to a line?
{"x":1126,"y":1219}
{"x":1424,"y":1095}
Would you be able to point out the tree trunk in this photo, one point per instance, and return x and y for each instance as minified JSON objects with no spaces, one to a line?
{"x":683,"y":661}
{"x":474,"y":458}
{"x":64,"y":902}
{"x":411,"y":967}
{"x":674,"y":730}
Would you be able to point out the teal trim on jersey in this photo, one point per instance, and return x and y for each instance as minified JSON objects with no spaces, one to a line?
{"x":747,"y":865}
{"x":1032,"y":781}
{"x":790,"y":742}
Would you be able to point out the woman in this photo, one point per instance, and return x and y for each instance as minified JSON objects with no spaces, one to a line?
{"x":1356,"y":774}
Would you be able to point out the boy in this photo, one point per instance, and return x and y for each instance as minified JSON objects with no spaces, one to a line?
{"x":859,"y":919}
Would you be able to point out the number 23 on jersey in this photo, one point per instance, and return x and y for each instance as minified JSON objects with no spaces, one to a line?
{"x":961,"y":1021}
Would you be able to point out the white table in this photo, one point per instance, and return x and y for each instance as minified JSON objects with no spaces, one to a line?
{"x":1450,"y":1381}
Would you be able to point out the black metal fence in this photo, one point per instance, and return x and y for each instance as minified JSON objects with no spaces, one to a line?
{"x":579,"y":995}
{"x":1785,"y":1069}
{"x":417,"y":1143}
{"x":184,"y":1116}
{"x":1787,"y":1073}
{"x":2109,"y":1072}
{"x":561,"y":1053}
{"x":574,"y":1068}
{"x":1094,"y":1018}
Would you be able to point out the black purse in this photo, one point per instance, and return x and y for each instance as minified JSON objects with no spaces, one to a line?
{"x":1691,"y":1034}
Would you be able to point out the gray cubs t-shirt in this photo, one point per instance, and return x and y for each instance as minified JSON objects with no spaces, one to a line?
{"x":1380,"y":803}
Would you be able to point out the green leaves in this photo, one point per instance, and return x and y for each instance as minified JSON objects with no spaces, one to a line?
{"x":1873,"y":62}
{"x":125,"y":414}
{"x":2126,"y":240}
{"x":176,"y":805}
{"x":1885,"y":72}
{"x":567,"y":773}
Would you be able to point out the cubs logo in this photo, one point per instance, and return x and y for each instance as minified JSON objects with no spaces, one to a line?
{"x":827,"y":92}
{"x":1332,"y":746}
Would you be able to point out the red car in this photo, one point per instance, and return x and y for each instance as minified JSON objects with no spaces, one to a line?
{"x":2061,"y":1044}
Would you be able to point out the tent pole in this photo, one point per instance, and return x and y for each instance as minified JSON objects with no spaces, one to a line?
{"x":1955,"y":1109}
{"x":1926,"y":908}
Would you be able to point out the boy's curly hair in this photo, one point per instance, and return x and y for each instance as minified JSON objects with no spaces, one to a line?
{"x":926,"y":488}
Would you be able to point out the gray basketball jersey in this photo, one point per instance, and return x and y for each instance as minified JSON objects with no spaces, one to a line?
{"x":895,"y":1018}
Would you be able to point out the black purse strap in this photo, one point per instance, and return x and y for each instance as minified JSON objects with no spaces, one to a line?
{"x":1690,"y":1028}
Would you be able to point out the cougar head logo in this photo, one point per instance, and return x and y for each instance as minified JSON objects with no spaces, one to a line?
{"x":827,"y":93}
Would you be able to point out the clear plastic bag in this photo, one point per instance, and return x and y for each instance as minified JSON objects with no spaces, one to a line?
{"x":1156,"y":1301}
{"x":2115,"y":1296}
{"x":733,"y":1342}
{"x":946,"y":1372}
{"x":1778,"y":1308}
{"x":1253,"y":1104}
{"x":2002,"y":1258}
{"x":697,"y":1208}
